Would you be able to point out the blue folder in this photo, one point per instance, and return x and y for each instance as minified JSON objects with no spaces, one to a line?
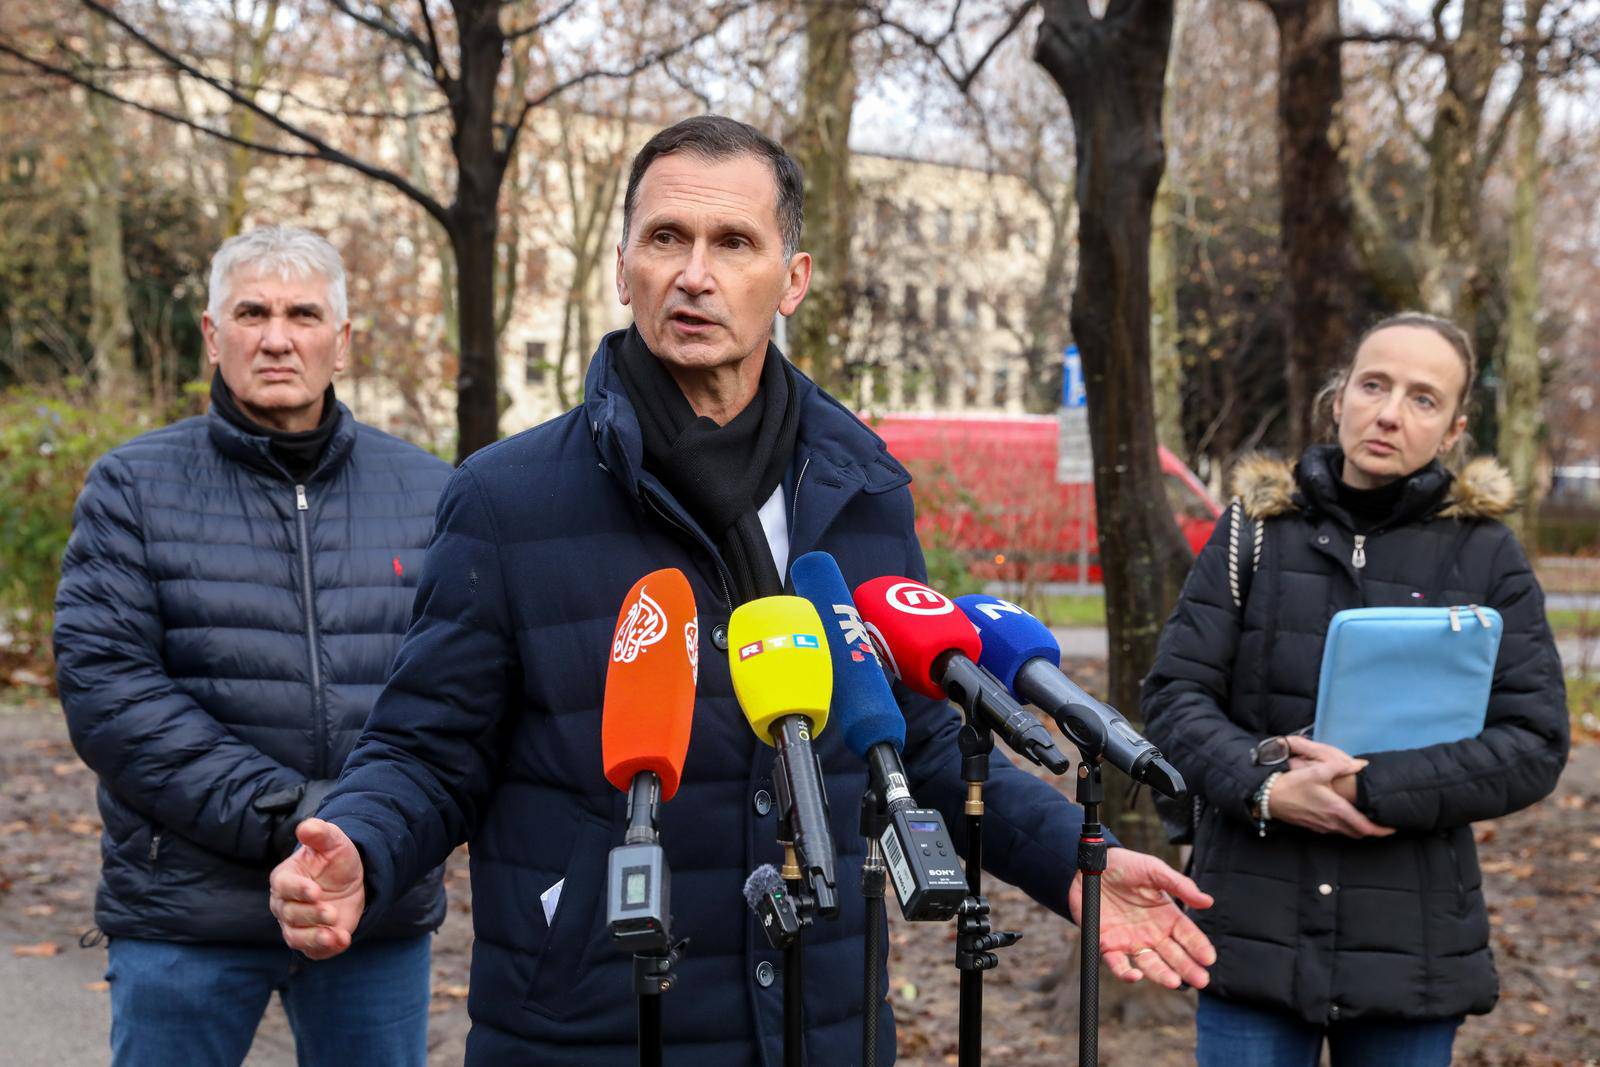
{"x":1396,"y":678}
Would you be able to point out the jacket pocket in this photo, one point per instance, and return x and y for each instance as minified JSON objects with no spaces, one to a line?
{"x":574,"y":937}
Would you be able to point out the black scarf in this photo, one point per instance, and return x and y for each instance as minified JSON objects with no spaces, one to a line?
{"x":298,"y":452}
{"x":1420,"y":493}
{"x":722,"y":474}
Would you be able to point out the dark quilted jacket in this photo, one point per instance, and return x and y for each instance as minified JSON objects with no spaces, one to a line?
{"x":216,"y":643}
{"x":489,"y":731}
{"x":1327,"y":927}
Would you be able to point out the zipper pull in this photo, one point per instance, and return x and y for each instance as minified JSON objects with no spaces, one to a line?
{"x":300,"y":497}
{"x":1358,"y":558}
{"x":1482,"y":618}
{"x":155,"y":846}
{"x":1455,"y":619}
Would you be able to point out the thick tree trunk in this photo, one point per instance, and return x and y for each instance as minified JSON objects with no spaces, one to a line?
{"x":110,"y":328}
{"x":1520,"y":394}
{"x":1457,"y":164}
{"x":474,"y":223}
{"x":1111,"y":72}
{"x":821,"y":143}
{"x":1317,"y":235}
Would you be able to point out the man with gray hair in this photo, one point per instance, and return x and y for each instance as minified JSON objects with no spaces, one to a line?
{"x":233,"y":593}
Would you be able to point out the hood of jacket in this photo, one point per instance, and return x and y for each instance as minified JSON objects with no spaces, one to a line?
{"x":1268,"y":487}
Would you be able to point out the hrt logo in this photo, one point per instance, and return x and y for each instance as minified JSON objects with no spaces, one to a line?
{"x":691,"y":641}
{"x":884,"y":656}
{"x":914,"y":598}
{"x":645,"y":624}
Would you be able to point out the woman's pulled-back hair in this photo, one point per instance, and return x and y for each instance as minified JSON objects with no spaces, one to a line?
{"x":1455,"y":336}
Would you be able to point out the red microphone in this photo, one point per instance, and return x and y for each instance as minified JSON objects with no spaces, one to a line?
{"x":927,"y":642}
{"x":644,"y":737}
{"x":649,"y":703}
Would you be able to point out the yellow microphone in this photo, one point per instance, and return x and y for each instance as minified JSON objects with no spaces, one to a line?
{"x":780,"y":663}
{"x":783,"y":677}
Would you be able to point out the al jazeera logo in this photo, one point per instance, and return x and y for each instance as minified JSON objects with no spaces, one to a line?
{"x":645,"y":624}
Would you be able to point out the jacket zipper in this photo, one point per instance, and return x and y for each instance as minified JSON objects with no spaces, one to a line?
{"x":1358,"y":558}
{"x":155,"y":848}
{"x":727,"y":595}
{"x":308,"y":592}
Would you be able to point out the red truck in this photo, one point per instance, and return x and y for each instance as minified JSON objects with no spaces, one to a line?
{"x":986,"y":489}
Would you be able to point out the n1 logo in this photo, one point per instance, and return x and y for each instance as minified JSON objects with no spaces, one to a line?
{"x":993,"y":609}
{"x":914,"y":598}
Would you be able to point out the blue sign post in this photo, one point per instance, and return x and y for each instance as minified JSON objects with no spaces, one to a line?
{"x":1073,"y":393}
{"x":1074,"y":458}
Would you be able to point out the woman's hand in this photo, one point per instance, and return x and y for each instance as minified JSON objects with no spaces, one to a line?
{"x":1318,"y":789}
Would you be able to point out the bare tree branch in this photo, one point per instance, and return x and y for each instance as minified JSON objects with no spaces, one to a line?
{"x":542,"y":21}
{"x":962,"y":79}
{"x":323,"y":150}
{"x":435,"y":56}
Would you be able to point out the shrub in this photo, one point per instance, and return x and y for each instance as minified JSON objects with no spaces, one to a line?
{"x":49,"y":438}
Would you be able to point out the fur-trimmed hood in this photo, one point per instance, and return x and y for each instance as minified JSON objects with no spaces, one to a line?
{"x":1481,"y":489}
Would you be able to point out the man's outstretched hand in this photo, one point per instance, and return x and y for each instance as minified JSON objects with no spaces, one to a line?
{"x":318,"y":893}
{"x":1142,"y":932}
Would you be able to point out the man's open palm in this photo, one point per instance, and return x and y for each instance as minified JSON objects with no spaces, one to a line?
{"x":318,"y":893}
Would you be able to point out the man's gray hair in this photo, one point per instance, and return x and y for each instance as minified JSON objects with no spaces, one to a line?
{"x":293,"y":254}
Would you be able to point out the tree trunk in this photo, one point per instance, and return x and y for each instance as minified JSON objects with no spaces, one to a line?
{"x":1111,"y":72}
{"x":1520,"y":393}
{"x":1317,"y":235}
{"x":474,"y":224}
{"x":1457,"y":163}
{"x":1166,"y":366}
{"x":110,"y":328}
{"x":821,"y":144}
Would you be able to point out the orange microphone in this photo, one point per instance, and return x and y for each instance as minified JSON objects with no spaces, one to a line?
{"x":644,"y":737}
{"x":655,"y":661}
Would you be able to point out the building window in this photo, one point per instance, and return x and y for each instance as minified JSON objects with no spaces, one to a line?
{"x":941,"y":306}
{"x":877,"y":298}
{"x":1002,"y":386}
{"x":974,"y":228}
{"x":913,"y":305}
{"x":1002,"y":313}
{"x":942,"y":226}
{"x":913,"y":224}
{"x":885,"y":220}
{"x":1002,"y":232}
{"x":969,"y":315}
{"x":533,"y":364}
{"x":1030,"y":235}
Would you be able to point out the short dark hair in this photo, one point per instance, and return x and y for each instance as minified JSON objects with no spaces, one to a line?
{"x":717,"y":137}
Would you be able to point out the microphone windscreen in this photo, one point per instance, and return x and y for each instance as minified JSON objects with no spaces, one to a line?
{"x":913,"y":626}
{"x":1011,"y":637}
{"x":864,"y":708}
{"x":650,"y":680}
{"x":763,"y":880}
{"x":779,"y":663}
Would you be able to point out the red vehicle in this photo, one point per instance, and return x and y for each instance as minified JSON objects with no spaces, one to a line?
{"x":986,"y":488}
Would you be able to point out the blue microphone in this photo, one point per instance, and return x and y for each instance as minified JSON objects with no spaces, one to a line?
{"x":927,"y":879}
{"x":1020,"y":650}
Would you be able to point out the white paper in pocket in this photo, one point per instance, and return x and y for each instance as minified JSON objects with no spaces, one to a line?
{"x":550,"y":899}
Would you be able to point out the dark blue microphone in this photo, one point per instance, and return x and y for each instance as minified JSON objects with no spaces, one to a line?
{"x":927,"y":879}
{"x":1021,"y":651}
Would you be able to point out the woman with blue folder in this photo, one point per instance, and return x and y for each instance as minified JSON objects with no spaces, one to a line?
{"x":1349,"y":906}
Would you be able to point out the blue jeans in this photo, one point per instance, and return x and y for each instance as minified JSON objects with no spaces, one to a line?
{"x":199,"y":1004}
{"x":1231,"y":1034}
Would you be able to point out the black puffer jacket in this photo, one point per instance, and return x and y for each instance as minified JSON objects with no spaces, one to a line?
{"x":221,"y":634}
{"x":1327,"y":927}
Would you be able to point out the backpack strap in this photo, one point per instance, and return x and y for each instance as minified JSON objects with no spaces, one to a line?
{"x":1244,"y":540}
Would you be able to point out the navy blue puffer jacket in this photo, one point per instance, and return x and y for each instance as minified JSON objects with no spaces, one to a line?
{"x":221,"y":634}
{"x":489,"y":731}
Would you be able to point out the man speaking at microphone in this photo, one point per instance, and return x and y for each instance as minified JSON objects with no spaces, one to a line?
{"x":699,"y":447}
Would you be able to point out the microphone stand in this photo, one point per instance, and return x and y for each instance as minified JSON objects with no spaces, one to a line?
{"x":805,"y":905}
{"x":975,"y":943}
{"x":874,"y":818}
{"x":1092,"y":863}
{"x":654,"y":952}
